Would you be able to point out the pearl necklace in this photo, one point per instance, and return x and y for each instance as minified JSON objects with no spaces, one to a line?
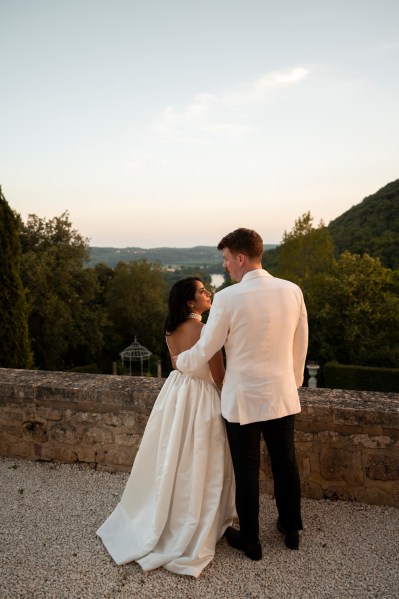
{"x":194,"y":315}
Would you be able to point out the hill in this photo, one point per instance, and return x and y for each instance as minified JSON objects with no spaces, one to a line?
{"x":199,"y":255}
{"x":371,"y":227}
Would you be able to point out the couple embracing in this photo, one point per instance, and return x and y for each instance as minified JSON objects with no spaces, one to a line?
{"x":182,"y":496}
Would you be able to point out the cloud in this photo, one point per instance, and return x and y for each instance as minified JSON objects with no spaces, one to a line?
{"x":390,"y":46}
{"x":223,"y":115}
{"x":261,"y":88}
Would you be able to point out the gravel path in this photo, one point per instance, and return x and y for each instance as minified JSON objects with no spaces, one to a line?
{"x":48,"y":547}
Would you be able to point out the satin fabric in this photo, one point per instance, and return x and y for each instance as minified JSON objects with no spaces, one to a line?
{"x":179,"y":497}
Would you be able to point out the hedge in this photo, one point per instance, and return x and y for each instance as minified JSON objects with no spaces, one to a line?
{"x":363,"y":378}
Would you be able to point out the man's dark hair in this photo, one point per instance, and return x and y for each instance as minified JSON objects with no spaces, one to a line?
{"x":243,"y":241}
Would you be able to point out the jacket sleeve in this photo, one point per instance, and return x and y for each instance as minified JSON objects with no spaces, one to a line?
{"x":300,"y":347}
{"x":213,"y":337}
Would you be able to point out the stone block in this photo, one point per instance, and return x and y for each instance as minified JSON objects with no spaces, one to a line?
{"x":100,"y":455}
{"x":128,"y":440}
{"x":303,"y":437}
{"x":376,"y":496}
{"x":371,"y":442}
{"x":9,"y":412}
{"x":129,"y":420}
{"x":29,"y":412}
{"x":382,"y":467}
{"x":59,"y":453}
{"x":112,"y":420}
{"x":303,"y":465}
{"x":98,"y":436}
{"x":87,"y":454}
{"x":341,"y":465}
{"x":314,"y":461}
{"x":49,"y":413}
{"x":10,"y":428}
{"x":36,"y":431}
{"x":340,"y":493}
{"x":329,"y":437}
{"x":311,"y":489}
{"x":64,"y":433}
{"x":69,"y":414}
{"x":37,"y":450}
{"x":87,"y":417}
{"x":121,"y":456}
{"x":21,"y":449}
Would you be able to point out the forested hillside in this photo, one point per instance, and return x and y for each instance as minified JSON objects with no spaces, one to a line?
{"x":371,"y":227}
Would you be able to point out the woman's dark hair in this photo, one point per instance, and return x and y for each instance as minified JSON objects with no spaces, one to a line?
{"x":181,"y":292}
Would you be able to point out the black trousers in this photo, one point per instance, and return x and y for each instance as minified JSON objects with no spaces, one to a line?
{"x":244,"y":441}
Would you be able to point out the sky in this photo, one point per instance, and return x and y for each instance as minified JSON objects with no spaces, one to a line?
{"x":169,"y":123}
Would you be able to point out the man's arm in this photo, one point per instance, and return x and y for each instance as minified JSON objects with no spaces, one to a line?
{"x":300,"y":347}
{"x":212,"y":340}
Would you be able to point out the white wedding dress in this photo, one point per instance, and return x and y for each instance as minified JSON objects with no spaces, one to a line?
{"x":179,"y":497}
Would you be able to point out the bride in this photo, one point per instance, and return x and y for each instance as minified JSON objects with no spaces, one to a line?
{"x":179,"y":498}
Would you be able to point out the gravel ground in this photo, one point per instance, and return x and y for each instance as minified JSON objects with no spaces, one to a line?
{"x":49,"y":549}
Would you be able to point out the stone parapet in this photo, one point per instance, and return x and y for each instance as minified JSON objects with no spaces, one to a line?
{"x":347,"y":441}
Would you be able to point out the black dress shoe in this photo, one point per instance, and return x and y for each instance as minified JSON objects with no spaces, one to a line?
{"x":291,"y":537}
{"x":251,"y":550}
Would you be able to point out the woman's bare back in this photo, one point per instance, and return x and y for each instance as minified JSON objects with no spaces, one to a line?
{"x":184,"y":337}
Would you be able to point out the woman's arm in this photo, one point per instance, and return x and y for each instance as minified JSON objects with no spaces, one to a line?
{"x":216,"y":366}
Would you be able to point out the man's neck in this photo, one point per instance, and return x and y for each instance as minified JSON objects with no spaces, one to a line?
{"x":251,"y":266}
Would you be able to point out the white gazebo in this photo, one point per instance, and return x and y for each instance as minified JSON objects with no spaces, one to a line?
{"x":135,"y":353}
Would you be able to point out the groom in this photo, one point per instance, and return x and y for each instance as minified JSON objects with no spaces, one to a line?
{"x":262,"y":323}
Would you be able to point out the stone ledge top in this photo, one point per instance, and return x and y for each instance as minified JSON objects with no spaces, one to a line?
{"x":41,"y":386}
{"x":350,"y":399}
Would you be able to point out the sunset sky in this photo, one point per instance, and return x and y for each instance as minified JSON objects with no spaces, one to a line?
{"x":172,"y":122}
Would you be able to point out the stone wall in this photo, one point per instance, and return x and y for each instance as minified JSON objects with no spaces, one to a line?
{"x":347,"y":441}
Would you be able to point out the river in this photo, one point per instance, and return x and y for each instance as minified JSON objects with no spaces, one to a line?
{"x":217,"y":280}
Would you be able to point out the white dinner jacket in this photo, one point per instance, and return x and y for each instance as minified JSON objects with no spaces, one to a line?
{"x":262,"y":323}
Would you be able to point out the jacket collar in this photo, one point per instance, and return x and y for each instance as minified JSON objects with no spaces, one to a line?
{"x":253,"y":274}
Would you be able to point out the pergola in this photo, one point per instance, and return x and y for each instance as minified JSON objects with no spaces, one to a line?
{"x":135,"y":353}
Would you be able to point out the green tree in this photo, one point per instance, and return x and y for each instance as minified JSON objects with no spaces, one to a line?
{"x":305,"y":251}
{"x":354,"y":313}
{"x":136,"y":300}
{"x":65,"y":324}
{"x":15,"y":349}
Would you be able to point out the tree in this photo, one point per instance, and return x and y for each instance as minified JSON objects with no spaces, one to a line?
{"x":354,"y":313}
{"x":15,"y":349}
{"x":305,"y":251}
{"x":65,"y":324}
{"x":137,"y":306}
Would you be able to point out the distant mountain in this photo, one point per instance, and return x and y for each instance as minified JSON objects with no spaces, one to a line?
{"x":199,"y":255}
{"x":371,"y":227}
